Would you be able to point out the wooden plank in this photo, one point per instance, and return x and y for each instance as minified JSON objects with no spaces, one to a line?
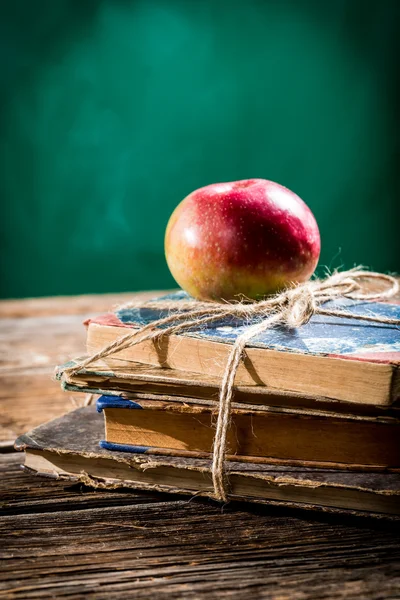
{"x":35,"y":336}
{"x":29,"y":350}
{"x":69,"y":305}
{"x":27,"y":494}
{"x":60,"y":541}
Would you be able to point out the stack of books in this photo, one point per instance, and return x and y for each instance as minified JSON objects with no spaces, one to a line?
{"x":314,"y":420}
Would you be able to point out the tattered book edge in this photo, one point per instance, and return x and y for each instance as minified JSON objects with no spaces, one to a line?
{"x":386,"y":413}
{"x":143,"y":462}
{"x":114,"y":484}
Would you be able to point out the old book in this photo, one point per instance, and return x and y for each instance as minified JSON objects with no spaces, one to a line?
{"x":339,"y":358}
{"x":186,"y":428}
{"x":67,"y":448}
{"x":135,"y":380}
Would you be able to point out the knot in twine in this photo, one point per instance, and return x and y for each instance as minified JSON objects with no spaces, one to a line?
{"x":291,"y":308}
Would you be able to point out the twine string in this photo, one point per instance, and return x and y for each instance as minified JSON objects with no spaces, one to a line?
{"x":291,"y":308}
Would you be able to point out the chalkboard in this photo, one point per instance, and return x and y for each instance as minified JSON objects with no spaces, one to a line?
{"x":112,"y":111}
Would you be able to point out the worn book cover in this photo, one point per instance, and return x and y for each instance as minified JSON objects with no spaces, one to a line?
{"x":67,"y":448}
{"x":340,"y":358}
{"x":135,"y":380}
{"x":289,"y":437}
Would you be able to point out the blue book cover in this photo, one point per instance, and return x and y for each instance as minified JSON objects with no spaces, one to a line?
{"x":118,"y":402}
{"x":323,"y":335}
{"x":282,"y":435}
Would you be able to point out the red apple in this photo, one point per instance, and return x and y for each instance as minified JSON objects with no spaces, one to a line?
{"x":252,"y":237}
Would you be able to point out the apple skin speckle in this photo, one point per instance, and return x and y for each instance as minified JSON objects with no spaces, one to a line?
{"x":245,"y":238}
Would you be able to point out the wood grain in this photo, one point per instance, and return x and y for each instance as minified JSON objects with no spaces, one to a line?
{"x":65,"y":541}
{"x":69,"y":305}
{"x":36,"y":335}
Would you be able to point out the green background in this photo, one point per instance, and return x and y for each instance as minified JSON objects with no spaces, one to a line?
{"x":113,"y":111}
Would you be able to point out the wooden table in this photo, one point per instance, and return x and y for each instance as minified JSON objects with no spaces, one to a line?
{"x":69,"y":541}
